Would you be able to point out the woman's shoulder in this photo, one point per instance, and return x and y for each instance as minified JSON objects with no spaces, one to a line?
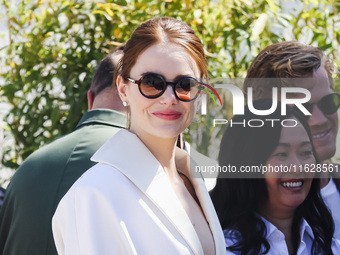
{"x":100,"y":178}
{"x":99,"y":173}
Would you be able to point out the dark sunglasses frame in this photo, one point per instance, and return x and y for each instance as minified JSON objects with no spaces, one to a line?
{"x":323,"y":104}
{"x":166,"y":84}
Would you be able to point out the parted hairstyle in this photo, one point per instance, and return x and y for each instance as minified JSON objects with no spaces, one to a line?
{"x":161,"y":30}
{"x":290,"y":59}
{"x":238,"y":201}
{"x":103,"y":76}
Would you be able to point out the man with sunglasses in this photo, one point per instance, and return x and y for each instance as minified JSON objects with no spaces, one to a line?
{"x":295,"y":64}
{"x":46,"y":175}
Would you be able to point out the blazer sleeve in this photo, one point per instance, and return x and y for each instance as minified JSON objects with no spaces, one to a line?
{"x":80,"y":226}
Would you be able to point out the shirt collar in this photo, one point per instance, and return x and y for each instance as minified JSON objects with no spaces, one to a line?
{"x":104,"y":117}
{"x":306,"y":229}
{"x":273,"y":233}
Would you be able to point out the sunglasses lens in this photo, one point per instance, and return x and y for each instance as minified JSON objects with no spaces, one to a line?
{"x":329,"y":104}
{"x":187,"y":89}
{"x":152,"y":86}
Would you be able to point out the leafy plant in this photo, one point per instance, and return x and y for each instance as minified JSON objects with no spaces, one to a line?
{"x":54,"y":47}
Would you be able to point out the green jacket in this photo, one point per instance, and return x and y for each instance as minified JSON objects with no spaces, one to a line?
{"x":43,"y":179}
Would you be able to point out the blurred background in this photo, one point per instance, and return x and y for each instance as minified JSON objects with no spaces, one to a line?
{"x":49,"y":50}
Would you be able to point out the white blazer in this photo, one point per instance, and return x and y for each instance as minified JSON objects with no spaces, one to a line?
{"x":126,"y":205}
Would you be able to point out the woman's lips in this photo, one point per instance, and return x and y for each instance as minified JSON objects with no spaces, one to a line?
{"x":168,"y":115}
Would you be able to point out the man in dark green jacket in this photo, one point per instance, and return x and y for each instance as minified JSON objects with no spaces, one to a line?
{"x":46,"y":175}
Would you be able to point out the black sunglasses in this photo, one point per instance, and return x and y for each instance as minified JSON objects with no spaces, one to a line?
{"x":152,"y":85}
{"x":329,"y":104}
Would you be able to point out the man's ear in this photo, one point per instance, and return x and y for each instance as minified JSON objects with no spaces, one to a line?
{"x":121,"y":89}
{"x":90,"y":99}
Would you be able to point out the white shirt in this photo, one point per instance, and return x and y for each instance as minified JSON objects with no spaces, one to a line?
{"x":276,"y":240}
{"x":331,"y":197}
{"x":126,"y":205}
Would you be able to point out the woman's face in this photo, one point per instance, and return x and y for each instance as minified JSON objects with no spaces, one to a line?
{"x":164,"y":116}
{"x":287,"y":190}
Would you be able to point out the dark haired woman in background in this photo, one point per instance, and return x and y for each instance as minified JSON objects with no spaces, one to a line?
{"x":281,"y":213}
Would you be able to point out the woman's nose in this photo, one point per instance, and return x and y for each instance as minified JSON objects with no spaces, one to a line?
{"x":169,"y":96}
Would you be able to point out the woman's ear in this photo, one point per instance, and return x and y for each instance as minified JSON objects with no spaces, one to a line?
{"x":122,"y":89}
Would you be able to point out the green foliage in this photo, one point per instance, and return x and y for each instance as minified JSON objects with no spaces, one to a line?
{"x":56,"y":45}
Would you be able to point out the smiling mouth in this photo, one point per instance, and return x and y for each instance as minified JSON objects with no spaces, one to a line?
{"x":320,"y":135}
{"x":292,"y":184}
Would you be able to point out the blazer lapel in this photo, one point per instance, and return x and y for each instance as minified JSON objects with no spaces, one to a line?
{"x":162,"y":194}
{"x":186,"y":162}
{"x":142,"y":168}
